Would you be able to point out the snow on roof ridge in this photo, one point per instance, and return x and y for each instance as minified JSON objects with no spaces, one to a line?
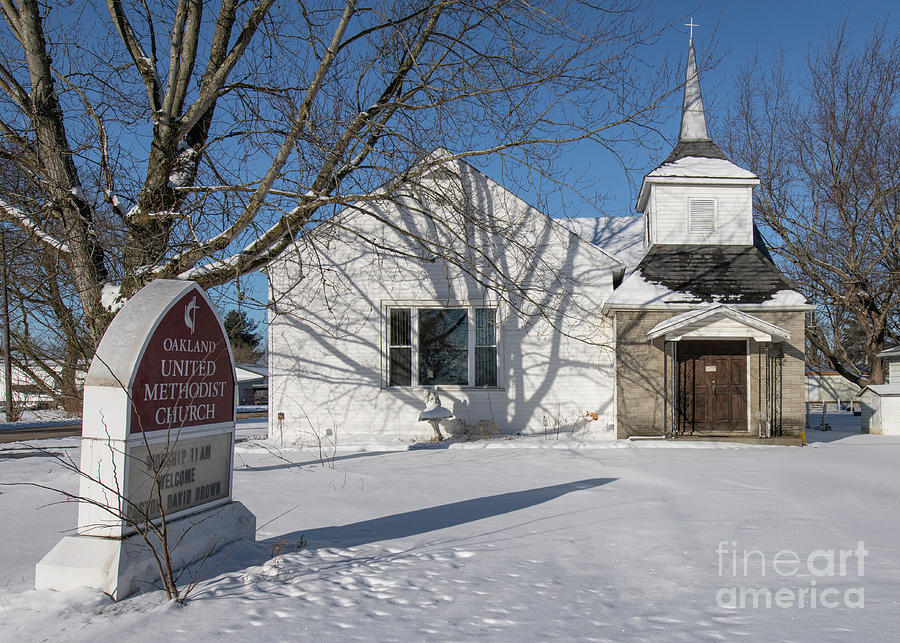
{"x":702,"y":167}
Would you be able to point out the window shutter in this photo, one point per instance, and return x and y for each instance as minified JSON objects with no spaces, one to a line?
{"x":702,"y":215}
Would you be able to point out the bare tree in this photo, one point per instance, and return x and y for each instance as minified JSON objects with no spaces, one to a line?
{"x":166,"y":139}
{"x":826,"y":148}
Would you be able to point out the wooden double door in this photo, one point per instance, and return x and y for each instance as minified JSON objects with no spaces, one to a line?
{"x":711,"y":387}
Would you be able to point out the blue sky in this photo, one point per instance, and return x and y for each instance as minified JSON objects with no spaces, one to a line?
{"x":736,"y":32}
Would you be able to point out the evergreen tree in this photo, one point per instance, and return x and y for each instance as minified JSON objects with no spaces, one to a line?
{"x":243,"y":335}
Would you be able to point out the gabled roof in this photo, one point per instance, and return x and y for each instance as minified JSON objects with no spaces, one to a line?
{"x":393,"y":213}
{"x":694,"y":320}
{"x":881,"y":389}
{"x":890,"y":352}
{"x":250,"y":372}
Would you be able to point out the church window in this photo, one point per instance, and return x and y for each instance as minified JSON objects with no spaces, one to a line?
{"x":431,"y":346}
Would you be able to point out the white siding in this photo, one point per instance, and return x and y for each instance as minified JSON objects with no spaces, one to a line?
{"x":893,"y":372}
{"x":829,"y":388}
{"x":669,"y":210}
{"x":327,"y":334}
{"x":880,"y":413}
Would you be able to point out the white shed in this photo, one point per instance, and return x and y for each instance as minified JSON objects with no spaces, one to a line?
{"x":881,"y":409}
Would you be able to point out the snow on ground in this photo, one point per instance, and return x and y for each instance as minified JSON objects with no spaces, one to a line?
{"x":504,"y":543}
{"x":38,"y":418}
{"x":31,"y":419}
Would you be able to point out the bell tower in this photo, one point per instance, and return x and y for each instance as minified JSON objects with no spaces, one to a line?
{"x":697,"y":195}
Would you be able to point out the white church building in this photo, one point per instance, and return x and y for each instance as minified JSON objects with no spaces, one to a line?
{"x":675,"y":323}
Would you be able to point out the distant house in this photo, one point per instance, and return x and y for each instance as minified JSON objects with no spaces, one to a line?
{"x":675,"y":323}
{"x":881,"y":402}
{"x":891,"y":358}
{"x":252,"y":384}
{"x":826,"y":385}
{"x":881,"y":409}
{"x":26,"y":392}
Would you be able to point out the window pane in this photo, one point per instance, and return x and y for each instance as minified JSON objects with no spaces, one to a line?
{"x":485,"y":330}
{"x":400,"y":353}
{"x":443,"y":347}
{"x":400,"y":327}
{"x":400,"y":371}
{"x":485,"y":366}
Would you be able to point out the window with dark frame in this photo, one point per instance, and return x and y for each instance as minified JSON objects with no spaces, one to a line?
{"x":443,"y":353}
{"x":400,"y":348}
{"x":485,"y":347}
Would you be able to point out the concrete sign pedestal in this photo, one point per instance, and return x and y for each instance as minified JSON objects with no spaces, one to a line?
{"x":157,"y":444}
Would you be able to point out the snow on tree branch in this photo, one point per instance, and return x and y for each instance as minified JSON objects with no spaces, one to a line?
{"x":25,"y":223}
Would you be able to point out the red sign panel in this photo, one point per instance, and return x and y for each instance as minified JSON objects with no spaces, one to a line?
{"x":185,"y":377}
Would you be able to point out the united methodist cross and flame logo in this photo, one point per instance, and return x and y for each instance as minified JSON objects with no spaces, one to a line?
{"x":190,"y":314}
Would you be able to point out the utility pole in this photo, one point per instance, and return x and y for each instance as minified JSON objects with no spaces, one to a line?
{"x":7,"y":362}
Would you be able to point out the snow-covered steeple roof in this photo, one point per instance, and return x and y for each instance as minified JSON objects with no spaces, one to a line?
{"x":693,"y":120}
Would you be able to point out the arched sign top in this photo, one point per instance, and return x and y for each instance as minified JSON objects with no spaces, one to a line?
{"x":168,"y":350}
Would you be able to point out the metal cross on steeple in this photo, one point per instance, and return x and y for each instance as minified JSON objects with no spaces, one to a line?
{"x":691,"y":25}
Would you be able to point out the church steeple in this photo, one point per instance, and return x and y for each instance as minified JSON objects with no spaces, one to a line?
{"x":693,"y":121}
{"x":697,"y":196}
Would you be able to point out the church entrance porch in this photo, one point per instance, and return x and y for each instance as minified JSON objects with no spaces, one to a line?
{"x":711,"y":387}
{"x":721,"y":374}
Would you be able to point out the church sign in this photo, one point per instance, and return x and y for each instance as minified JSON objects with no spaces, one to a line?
{"x":185,"y":377}
{"x":157,"y":443}
{"x":189,"y":474}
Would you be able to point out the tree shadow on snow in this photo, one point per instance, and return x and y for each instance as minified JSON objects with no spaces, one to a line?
{"x":234,"y":560}
{"x":411,"y":523}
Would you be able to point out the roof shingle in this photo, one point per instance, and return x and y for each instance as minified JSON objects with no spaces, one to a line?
{"x":726,"y":274}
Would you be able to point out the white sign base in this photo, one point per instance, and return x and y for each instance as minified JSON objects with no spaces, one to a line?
{"x":122,"y":566}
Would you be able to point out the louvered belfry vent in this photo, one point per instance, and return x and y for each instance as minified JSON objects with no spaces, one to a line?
{"x":702,"y":215}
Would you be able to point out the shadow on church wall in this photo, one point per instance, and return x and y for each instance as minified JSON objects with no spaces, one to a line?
{"x":485,"y":246}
